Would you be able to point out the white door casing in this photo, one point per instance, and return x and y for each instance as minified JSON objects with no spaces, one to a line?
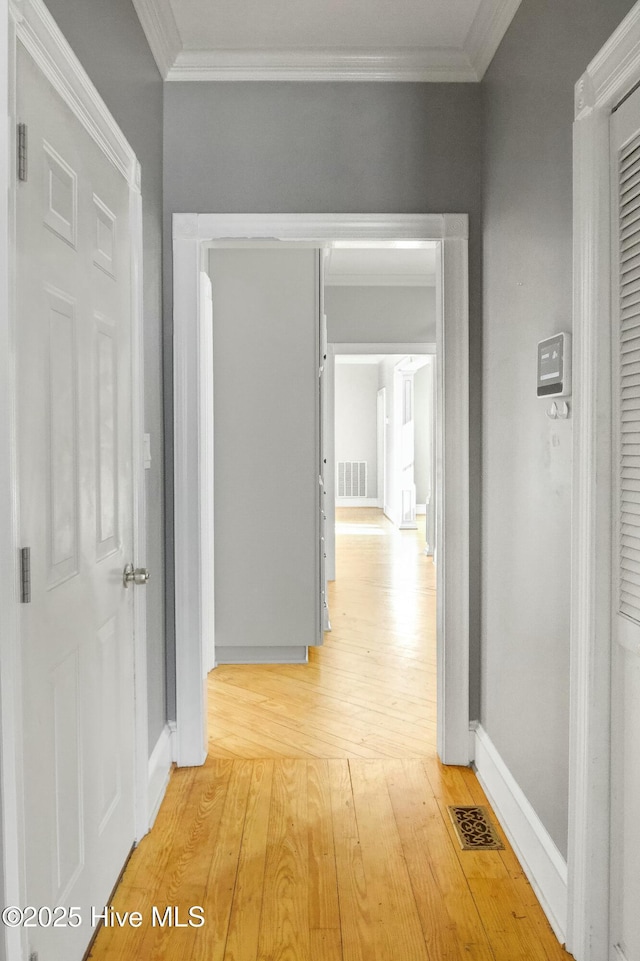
{"x":405,"y":453}
{"x":625,"y":563}
{"x":91,"y":173}
{"x":192,"y":233}
{"x":430,"y":519}
{"x":381,"y":445}
{"x":207,"y":467}
{"x":323,"y":456}
{"x":330,"y":476}
{"x":608,"y":80}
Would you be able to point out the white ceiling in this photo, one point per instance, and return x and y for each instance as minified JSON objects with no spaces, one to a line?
{"x":309,"y":24}
{"x":420,"y":40}
{"x":389,"y":267}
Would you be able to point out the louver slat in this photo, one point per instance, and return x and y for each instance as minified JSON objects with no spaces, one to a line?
{"x":630,"y":216}
{"x":629,"y":381}
{"x":628,"y":157}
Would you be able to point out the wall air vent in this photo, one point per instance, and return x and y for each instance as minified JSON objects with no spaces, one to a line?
{"x":352,"y":478}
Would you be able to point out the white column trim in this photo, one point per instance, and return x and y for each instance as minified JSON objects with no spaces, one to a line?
{"x":139,"y":558}
{"x":191,"y":704}
{"x":452,"y":484}
{"x":191,"y":235}
{"x":608,"y":79}
{"x":159,"y":771}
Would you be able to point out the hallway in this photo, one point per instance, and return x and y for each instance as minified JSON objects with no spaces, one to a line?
{"x":318,"y":828}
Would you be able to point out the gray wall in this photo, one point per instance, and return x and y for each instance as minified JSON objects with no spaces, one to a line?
{"x":378,"y":315}
{"x":330,"y":147}
{"x":107,"y":38}
{"x":528,"y":96}
{"x":356,"y":416}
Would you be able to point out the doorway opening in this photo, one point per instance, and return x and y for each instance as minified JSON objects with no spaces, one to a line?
{"x":194,"y":236}
{"x":384,"y":456}
{"x":274,"y":307}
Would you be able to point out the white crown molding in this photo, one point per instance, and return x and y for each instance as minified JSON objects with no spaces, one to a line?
{"x":161,"y":31}
{"x":487,"y":30}
{"x":418,"y":65}
{"x":39,"y":34}
{"x":409,"y":65}
{"x":379,"y":280}
{"x":613,"y":70}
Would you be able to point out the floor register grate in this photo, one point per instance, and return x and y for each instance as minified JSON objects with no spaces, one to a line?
{"x":474,"y":828}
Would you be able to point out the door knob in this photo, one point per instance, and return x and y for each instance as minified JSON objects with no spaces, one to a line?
{"x":138,"y":575}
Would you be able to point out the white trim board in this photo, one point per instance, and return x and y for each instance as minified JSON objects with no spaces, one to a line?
{"x":609,"y":78}
{"x":464,"y":64}
{"x":357,"y":502}
{"x":159,"y":771}
{"x":192,"y":234}
{"x":541,"y":860}
{"x":415,"y":66}
{"x":28,"y":22}
{"x":161,"y":31}
{"x":490,"y":24}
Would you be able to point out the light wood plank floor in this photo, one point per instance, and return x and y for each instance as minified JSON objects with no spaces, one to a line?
{"x":317,"y":829}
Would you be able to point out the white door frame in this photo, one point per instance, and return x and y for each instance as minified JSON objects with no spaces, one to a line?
{"x":336,"y":349}
{"x":192,"y":233}
{"x":28,"y":22}
{"x":381,"y":446}
{"x":613,"y":73}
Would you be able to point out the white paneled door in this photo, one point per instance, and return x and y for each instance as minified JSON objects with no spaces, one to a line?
{"x":74,"y":307}
{"x":625,"y":772}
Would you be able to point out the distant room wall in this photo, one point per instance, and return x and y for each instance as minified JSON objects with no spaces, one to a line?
{"x":380,"y":315}
{"x":356,"y":387}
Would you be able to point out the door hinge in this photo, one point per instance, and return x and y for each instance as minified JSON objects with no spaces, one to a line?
{"x":22,"y":151}
{"x":33,"y":956}
{"x":25,"y":575}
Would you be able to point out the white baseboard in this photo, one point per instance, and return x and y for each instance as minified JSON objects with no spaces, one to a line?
{"x":262,"y":655}
{"x":160,"y":763}
{"x":421,"y":510}
{"x":356,"y":502}
{"x":473,"y":727}
{"x":541,"y":860}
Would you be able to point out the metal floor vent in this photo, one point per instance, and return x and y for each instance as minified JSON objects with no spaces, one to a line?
{"x":474,"y":828}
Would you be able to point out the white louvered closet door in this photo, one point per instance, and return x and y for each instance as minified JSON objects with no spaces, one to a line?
{"x":625,"y":663}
